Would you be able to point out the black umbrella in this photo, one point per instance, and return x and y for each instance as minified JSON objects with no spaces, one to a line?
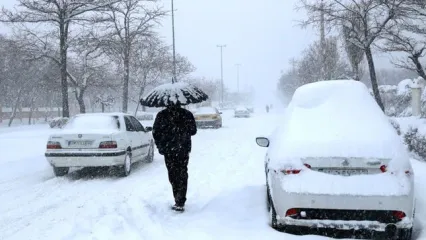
{"x":180,"y":93}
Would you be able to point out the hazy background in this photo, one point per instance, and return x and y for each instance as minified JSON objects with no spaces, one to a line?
{"x":260,"y":35}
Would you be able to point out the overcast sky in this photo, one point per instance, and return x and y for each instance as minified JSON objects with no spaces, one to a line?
{"x":260,"y":35}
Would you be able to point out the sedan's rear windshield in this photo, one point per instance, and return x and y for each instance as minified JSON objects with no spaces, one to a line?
{"x":205,"y":110}
{"x":93,"y":122}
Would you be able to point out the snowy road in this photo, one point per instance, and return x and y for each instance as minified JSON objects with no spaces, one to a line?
{"x":225,"y":196}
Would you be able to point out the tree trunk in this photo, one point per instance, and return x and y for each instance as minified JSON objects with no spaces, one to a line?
{"x":30,"y":115}
{"x":79,"y":95}
{"x":126,"y":63}
{"x":103,"y":107}
{"x":373,"y":78}
{"x":15,"y":108}
{"x":356,"y":72}
{"x":419,"y":66}
{"x":63,"y":32}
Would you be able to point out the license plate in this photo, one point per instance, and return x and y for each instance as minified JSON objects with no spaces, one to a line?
{"x":344,"y":172}
{"x":79,"y":143}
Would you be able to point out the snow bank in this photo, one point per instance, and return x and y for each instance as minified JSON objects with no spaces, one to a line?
{"x":336,"y":118}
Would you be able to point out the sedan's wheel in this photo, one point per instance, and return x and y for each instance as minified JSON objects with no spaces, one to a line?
{"x":273,"y":217}
{"x":150,"y":157}
{"x":272,"y":214}
{"x":127,"y":167}
{"x":268,"y":199}
{"x":60,"y":171}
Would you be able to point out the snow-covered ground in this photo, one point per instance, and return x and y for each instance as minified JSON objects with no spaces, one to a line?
{"x":226,"y":195}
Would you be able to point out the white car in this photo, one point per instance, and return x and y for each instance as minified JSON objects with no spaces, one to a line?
{"x":100,"y":139}
{"x":336,"y":163}
{"x":241,"y":112}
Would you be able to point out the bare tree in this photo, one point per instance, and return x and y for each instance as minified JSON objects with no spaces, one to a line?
{"x":87,"y":67}
{"x":409,"y":36}
{"x":353,"y":51}
{"x":315,"y":66}
{"x":375,"y":16}
{"x":60,"y":13}
{"x":127,"y":22}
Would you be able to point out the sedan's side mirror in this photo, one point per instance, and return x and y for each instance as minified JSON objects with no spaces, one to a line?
{"x":148,"y":129}
{"x":262,"y":141}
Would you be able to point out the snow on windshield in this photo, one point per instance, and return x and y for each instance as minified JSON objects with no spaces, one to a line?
{"x":335,"y":119}
{"x":241,"y":109}
{"x":205,"y":110}
{"x":92,"y":122}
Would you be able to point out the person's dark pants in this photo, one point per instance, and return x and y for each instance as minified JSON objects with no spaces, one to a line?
{"x":177,"y":166}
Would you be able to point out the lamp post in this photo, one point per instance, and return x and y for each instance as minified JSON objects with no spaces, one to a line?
{"x":238,"y":77}
{"x":221,"y":69}
{"x":174,"y":46}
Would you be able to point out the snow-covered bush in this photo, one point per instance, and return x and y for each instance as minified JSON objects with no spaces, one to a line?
{"x":58,"y":122}
{"x":416,"y":142}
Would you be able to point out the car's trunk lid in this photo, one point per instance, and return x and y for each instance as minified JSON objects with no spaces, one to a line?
{"x":81,"y":140}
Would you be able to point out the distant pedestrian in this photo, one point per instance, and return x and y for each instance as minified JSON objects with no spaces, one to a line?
{"x":172,"y":132}
{"x":267,"y":108}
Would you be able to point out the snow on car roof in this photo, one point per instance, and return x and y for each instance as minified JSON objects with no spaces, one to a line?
{"x":241,"y":108}
{"x":337,"y":118}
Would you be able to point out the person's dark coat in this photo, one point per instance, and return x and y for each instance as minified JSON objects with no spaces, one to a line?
{"x":172,"y":130}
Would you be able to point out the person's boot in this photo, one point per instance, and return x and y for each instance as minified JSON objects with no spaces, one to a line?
{"x":178,"y":208}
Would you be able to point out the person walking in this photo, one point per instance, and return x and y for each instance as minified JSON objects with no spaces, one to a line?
{"x":267,"y":108}
{"x":172,"y":132}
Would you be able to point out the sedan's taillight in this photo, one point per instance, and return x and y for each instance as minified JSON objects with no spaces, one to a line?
{"x":398,"y":214}
{"x":383,"y":168}
{"x":108,"y":144}
{"x":53,"y":145}
{"x":291,"y":171}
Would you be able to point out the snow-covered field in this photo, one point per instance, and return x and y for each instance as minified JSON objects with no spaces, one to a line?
{"x":226,"y":195}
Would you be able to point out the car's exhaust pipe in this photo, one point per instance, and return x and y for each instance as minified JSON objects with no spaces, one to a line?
{"x":391,"y":231}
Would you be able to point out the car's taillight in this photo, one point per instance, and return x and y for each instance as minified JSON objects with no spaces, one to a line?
{"x":108,"y":144}
{"x":383,"y":168}
{"x":307,"y":165}
{"x":53,"y":145}
{"x":291,"y":212}
{"x":290,"y":171}
{"x":398,"y":214}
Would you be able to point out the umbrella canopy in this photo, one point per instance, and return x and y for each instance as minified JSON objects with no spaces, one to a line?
{"x":178,"y":93}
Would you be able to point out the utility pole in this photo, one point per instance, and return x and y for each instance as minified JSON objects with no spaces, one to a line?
{"x":174,"y":46}
{"x":221,"y":69}
{"x":238,"y":77}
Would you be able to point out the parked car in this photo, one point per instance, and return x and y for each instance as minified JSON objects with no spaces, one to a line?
{"x":100,"y":139}
{"x":337,"y":163}
{"x":241,"y":112}
{"x":208,"y":117}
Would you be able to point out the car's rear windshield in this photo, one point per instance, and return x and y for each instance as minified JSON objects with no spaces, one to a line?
{"x":95,"y":122}
{"x":205,"y":110}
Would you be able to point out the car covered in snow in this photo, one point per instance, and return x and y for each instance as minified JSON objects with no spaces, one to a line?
{"x":208,"y":117}
{"x":98,"y":140}
{"x":241,"y":112}
{"x":336,"y":163}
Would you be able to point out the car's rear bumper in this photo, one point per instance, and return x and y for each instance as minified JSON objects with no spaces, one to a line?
{"x":242,"y":115}
{"x":85,"y":159}
{"x":207,"y":123}
{"x":342,"y":212}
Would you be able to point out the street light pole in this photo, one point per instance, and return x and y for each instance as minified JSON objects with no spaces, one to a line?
{"x":238,"y":77}
{"x":174,"y":46}
{"x":221,"y":69}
